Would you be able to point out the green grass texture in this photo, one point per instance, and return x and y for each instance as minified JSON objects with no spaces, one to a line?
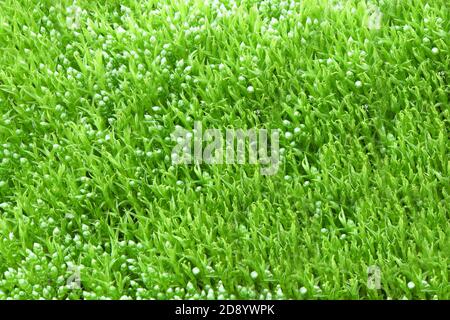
{"x":92,"y":207}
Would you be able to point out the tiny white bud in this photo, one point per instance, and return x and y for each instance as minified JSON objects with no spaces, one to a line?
{"x":195,"y":271}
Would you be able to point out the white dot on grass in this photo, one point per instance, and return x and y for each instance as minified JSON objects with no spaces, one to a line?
{"x":411,"y":285}
{"x":286,"y":123}
{"x":358,"y":84}
{"x":254,"y":275}
{"x":303,"y":290}
{"x":195,"y":271}
{"x":435,"y":50}
{"x":250,"y":89}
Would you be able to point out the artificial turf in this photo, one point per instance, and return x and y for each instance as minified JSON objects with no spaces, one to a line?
{"x":91,"y":91}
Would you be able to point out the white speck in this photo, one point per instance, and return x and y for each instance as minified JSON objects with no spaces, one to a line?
{"x":11,"y":235}
{"x":195,"y":271}
{"x":435,"y":50}
{"x":358,"y":84}
{"x":303,"y":290}
{"x":254,"y":275}
{"x":411,"y":285}
{"x":210,"y":295}
{"x":250,"y":89}
{"x":324,"y":230}
{"x":280,"y":292}
{"x":120,"y":30}
{"x":288,"y":135}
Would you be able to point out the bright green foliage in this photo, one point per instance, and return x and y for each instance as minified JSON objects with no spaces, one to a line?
{"x":90,"y":92}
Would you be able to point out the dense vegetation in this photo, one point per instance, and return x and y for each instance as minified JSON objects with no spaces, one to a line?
{"x":92,"y":207}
